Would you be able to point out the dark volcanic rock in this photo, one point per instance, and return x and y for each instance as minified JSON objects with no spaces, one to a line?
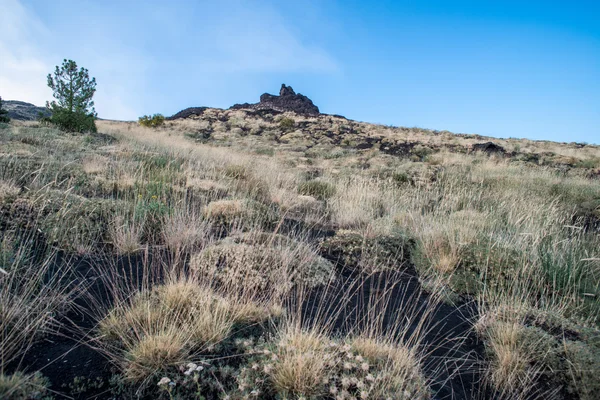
{"x":488,"y":147}
{"x":188,"y":112}
{"x":288,"y":100}
{"x":22,"y":111}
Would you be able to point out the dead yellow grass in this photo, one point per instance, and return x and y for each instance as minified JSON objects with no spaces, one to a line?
{"x":95,"y":164}
{"x":165,"y":326}
{"x":302,"y":362}
{"x":448,"y":204}
{"x":126,"y":235}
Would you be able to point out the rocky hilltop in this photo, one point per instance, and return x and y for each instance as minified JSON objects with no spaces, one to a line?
{"x":288,"y":100}
{"x":23,"y":111}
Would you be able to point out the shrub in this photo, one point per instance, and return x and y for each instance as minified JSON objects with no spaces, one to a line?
{"x":355,"y":251}
{"x":287,"y":124}
{"x":262,"y":267}
{"x":528,"y":346}
{"x":73,"y":121}
{"x":152,"y":121}
{"x":583,"y":363}
{"x":19,"y":386}
{"x":316,"y":188}
{"x":400,"y":178}
{"x":75,"y":223}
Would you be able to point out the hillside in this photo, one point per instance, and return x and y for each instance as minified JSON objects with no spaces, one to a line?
{"x":23,"y":111}
{"x":271,"y":251}
{"x":305,"y":127}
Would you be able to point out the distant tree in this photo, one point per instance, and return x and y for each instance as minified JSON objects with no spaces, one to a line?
{"x":3,"y":113}
{"x":73,"y":109}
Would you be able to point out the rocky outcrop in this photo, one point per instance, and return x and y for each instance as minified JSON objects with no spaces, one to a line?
{"x":22,"y":111}
{"x":488,"y":147}
{"x":288,"y":100}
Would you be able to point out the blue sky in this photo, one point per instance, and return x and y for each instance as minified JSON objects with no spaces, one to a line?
{"x":499,"y":68}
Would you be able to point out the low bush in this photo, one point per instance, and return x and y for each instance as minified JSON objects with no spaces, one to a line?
{"x":356,"y":251}
{"x":151,"y":121}
{"x":75,"y":223}
{"x":4,"y":118}
{"x":72,"y":121}
{"x":583,"y":364}
{"x":262,"y":267}
{"x":527,"y":347}
{"x":228,"y":214}
{"x":287,"y":124}
{"x":19,"y":386}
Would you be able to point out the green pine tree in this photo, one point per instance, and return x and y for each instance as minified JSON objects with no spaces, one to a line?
{"x":3,"y":114}
{"x":73,"y":109}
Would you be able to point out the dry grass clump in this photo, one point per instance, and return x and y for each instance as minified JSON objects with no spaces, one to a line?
{"x":126,"y":235}
{"x":8,"y":189}
{"x":185,"y":229}
{"x":398,"y":370}
{"x":237,"y":171}
{"x":511,"y":363}
{"x":229,"y":213}
{"x":359,"y":201}
{"x":262,"y":266}
{"x":213,"y":188}
{"x":163,"y":327}
{"x":226,"y":209}
{"x":95,"y":164}
{"x":155,"y":352}
{"x":308,"y":363}
{"x":302,"y":363}
{"x":304,"y":208}
{"x":442,"y":242}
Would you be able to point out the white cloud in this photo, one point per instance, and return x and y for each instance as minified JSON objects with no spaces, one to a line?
{"x":257,"y":39}
{"x":111,"y":103}
{"x":23,"y":69}
{"x":26,"y":61}
{"x":237,"y":39}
